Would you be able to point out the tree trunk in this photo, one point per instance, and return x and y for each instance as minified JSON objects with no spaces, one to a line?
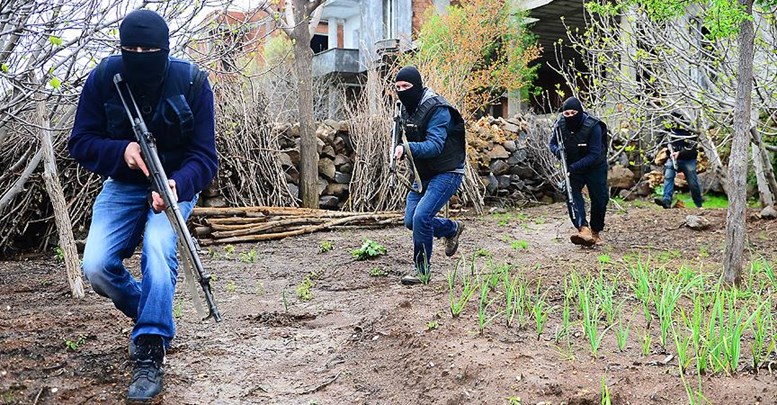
{"x":765,"y":163}
{"x":737,"y":163}
{"x":766,"y":196}
{"x":61,"y":216}
{"x":303,"y":66}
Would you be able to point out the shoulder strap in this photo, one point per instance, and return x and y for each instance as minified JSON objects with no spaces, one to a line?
{"x":197,"y":78}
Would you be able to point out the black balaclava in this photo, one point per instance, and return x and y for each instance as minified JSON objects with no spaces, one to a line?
{"x":573,"y":123}
{"x":145,"y":71}
{"x":412,"y":96}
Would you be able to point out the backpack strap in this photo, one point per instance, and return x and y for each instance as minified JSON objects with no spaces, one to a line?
{"x":197,"y":78}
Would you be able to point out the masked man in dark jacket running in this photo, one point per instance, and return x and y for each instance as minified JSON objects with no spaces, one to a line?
{"x":176,"y":102}
{"x":585,"y":143}
{"x":435,"y":134}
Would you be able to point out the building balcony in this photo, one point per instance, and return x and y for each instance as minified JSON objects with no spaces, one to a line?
{"x":336,"y":61}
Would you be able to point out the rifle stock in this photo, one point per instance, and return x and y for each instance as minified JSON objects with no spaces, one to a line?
{"x":159,"y":183}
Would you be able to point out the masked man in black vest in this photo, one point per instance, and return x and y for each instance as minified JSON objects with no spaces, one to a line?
{"x":585,"y":143}
{"x":435,"y":134}
{"x":683,"y":152}
{"x":177,"y":105}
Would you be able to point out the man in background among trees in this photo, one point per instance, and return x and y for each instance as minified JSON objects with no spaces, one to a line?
{"x":176,"y":102}
{"x":435,"y":134}
{"x":585,"y":144}
{"x":682,"y":150}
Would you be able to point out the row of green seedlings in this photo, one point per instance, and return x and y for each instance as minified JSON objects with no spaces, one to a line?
{"x":710,"y":332}
{"x":496,"y":284}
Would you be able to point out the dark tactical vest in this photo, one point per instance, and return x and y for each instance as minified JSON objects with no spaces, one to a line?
{"x":576,"y":145}
{"x":171,"y":121}
{"x":453,"y":151}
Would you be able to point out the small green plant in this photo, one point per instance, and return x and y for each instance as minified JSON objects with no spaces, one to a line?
{"x":565,"y":321}
{"x":248,"y":257}
{"x":681,"y":347}
{"x":514,"y":400}
{"x":59,"y":254}
{"x":646,"y":342}
{"x":303,"y":289}
{"x":75,"y":344}
{"x":482,"y":252}
{"x":260,"y":290}
{"x":285,"y":301}
{"x":212,"y":253}
{"x":231,"y":286}
{"x":540,"y":311}
{"x":229,"y":250}
{"x":325,"y":246}
{"x":519,"y":244}
{"x":484,"y":303}
{"x":604,"y":259}
{"x":762,"y":323}
{"x":606,"y":400}
{"x":622,"y":334}
{"x":468,"y":286}
{"x":368,"y":250}
{"x":177,"y":310}
{"x":378,"y":272}
{"x":432,"y":325}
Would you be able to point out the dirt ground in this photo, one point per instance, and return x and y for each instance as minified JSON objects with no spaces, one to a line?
{"x":363,"y":339}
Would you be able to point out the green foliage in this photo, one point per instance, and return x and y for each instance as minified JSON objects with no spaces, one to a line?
{"x":475,"y":52}
{"x":519,"y":244}
{"x":229,"y":250}
{"x":368,"y":250}
{"x":278,"y":50}
{"x":75,"y":344}
{"x":722,"y":18}
{"x":178,"y":310}
{"x":248,"y":257}
{"x":482,"y":252}
{"x":303,"y":289}
{"x":231,"y":286}
{"x":432,"y":325}
{"x":378,"y":272}
{"x":325,"y":246}
{"x":54,"y":40}
{"x":59,"y":254}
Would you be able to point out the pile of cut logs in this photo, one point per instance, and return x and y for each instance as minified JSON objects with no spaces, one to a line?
{"x":252,"y":224}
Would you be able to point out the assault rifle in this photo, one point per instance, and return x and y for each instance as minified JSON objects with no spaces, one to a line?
{"x":398,"y":137}
{"x":563,"y":156}
{"x":188,"y":246}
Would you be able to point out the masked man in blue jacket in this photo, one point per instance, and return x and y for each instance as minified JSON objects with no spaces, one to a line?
{"x":585,"y":143}
{"x":176,"y":102}
{"x":435,"y":134}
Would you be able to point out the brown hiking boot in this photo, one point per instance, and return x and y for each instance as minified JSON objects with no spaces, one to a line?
{"x":583,"y":237}
{"x":452,"y":243}
{"x":597,"y":239}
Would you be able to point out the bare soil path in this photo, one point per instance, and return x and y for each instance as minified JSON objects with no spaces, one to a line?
{"x":363,"y":338}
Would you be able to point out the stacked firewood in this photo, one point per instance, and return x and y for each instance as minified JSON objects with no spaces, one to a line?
{"x":252,"y":224}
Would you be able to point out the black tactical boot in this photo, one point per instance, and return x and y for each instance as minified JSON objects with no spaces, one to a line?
{"x":147,"y":376}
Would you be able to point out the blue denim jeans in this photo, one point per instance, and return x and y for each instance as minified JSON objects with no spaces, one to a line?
{"x":121,"y":215}
{"x":596,"y":182}
{"x":420,"y":216}
{"x":688,"y":167}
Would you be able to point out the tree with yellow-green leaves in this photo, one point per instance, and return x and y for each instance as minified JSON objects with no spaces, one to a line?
{"x":475,"y":53}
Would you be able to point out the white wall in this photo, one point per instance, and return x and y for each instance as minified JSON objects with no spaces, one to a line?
{"x":350,"y":28}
